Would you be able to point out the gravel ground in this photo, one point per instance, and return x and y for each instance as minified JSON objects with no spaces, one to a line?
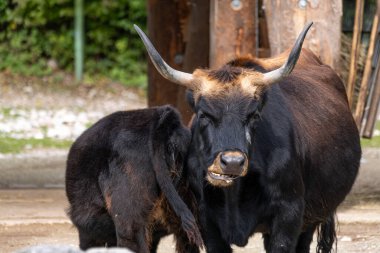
{"x":29,"y":109}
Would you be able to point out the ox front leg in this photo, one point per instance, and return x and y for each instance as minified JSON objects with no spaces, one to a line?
{"x":212,"y":237}
{"x":285,"y":227}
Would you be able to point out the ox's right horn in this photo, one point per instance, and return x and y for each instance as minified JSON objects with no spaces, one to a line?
{"x":165,"y":70}
{"x":286,"y":69}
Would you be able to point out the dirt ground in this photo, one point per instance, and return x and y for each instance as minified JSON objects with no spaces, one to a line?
{"x":36,"y":216}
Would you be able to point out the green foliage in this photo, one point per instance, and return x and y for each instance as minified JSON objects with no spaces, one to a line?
{"x":35,"y":31}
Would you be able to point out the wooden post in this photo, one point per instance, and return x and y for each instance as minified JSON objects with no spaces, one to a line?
{"x":264,"y":44}
{"x":197,"y":48}
{"x":217,"y":34}
{"x":286,"y":18}
{"x":355,"y":49}
{"x":164,"y":29}
{"x":232,"y":30}
{"x":367,"y":72}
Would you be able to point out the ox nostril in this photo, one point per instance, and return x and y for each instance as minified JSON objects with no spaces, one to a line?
{"x":241,"y":161}
{"x":223,"y":161}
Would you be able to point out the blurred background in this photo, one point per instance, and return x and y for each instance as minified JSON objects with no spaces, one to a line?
{"x":64,"y":64}
{"x":37,"y":39}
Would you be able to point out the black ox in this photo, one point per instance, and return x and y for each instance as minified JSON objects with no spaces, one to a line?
{"x":274,"y":150}
{"x":122,"y":178}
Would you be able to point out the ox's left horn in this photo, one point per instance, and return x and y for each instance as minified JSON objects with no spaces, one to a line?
{"x":288,"y":66}
{"x":165,"y":70}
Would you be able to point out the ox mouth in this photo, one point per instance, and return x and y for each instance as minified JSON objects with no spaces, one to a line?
{"x":225,"y":177}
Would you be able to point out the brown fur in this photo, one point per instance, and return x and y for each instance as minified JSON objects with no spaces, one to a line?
{"x":226,"y":81}
{"x":108,"y":200}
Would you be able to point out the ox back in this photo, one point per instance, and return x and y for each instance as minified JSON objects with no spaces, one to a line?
{"x":120,"y":182}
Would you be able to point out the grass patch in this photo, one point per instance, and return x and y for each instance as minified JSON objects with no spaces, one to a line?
{"x":6,"y":112}
{"x":371,"y":143}
{"x":12,"y":145}
{"x":89,"y":124}
{"x":374,"y":142}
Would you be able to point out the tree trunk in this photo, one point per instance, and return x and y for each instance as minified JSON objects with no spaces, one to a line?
{"x":197,"y":48}
{"x":165,"y":24}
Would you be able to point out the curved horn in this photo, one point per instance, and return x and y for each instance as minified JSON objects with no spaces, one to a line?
{"x":162,"y":67}
{"x":286,"y":69}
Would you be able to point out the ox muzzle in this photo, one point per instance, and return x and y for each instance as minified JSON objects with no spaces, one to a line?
{"x":227,"y":166}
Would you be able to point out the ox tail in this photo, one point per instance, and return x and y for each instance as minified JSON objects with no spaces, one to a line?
{"x":188,"y":221}
{"x":179,"y":207}
{"x":327,"y":235}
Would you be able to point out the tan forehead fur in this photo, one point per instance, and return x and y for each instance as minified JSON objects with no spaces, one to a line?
{"x":249,"y":83}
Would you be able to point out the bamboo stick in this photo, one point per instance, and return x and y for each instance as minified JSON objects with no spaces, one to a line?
{"x":367,"y":72}
{"x":371,"y":89}
{"x":355,"y":49}
{"x":373,"y":108}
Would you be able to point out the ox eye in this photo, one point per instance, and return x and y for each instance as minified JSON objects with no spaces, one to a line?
{"x":253,"y":117}
{"x":204,"y":120}
{"x":256,"y":116}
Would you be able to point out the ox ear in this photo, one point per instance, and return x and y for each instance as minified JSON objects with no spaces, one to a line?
{"x":287,"y":68}
{"x":169,"y":117}
{"x":190,"y":99}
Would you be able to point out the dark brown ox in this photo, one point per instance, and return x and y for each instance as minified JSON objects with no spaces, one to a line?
{"x":273,"y":149}
{"x":126,"y":184}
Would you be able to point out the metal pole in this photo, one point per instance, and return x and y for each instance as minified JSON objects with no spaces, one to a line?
{"x":79,"y":39}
